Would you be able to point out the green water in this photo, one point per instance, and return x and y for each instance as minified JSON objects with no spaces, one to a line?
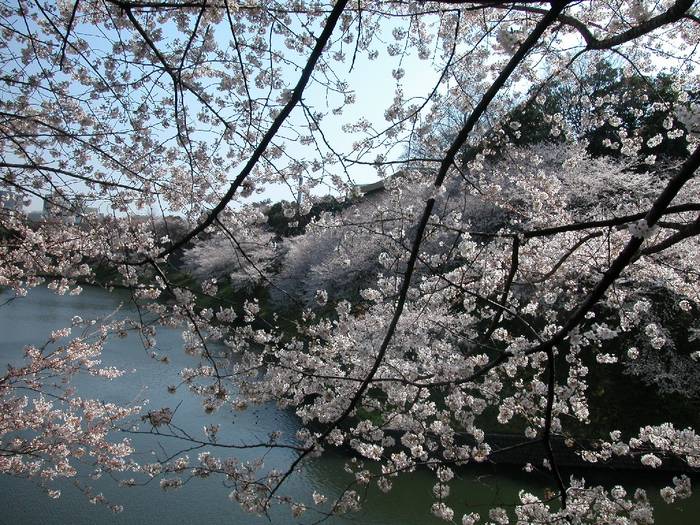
{"x":29,"y":320}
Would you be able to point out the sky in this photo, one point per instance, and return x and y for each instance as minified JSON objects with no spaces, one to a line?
{"x":374,"y":88}
{"x":372,"y":83}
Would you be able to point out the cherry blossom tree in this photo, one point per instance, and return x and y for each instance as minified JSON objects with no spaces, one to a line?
{"x":490,"y":272}
{"x":245,"y":258}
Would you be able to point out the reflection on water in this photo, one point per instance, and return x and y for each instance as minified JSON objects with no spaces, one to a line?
{"x":29,"y":320}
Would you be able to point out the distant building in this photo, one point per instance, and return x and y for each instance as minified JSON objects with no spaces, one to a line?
{"x":366,"y":189}
{"x":58,"y":207}
{"x":375,"y":189}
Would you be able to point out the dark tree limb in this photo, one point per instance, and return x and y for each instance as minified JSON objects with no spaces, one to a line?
{"x":72,"y":174}
{"x":623,"y":259}
{"x":267,"y":138}
{"x":506,"y":289}
{"x":674,"y":13}
{"x":68,"y":30}
{"x":690,"y":230}
{"x":447,"y":162}
{"x":607,"y":223}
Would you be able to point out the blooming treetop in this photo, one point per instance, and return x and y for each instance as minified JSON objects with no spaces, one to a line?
{"x":491,"y":272}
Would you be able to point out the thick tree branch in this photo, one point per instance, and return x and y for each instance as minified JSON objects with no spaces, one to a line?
{"x":39,"y":167}
{"x":68,"y":30}
{"x":623,"y":259}
{"x":686,"y":232}
{"x":448,"y":160}
{"x":267,"y":138}
{"x":506,"y":289}
{"x":606,"y":223}
{"x":674,"y":13}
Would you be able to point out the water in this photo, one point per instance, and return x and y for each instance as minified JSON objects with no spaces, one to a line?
{"x":29,"y":321}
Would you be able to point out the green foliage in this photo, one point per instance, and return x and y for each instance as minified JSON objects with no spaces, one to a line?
{"x":600,"y":106}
